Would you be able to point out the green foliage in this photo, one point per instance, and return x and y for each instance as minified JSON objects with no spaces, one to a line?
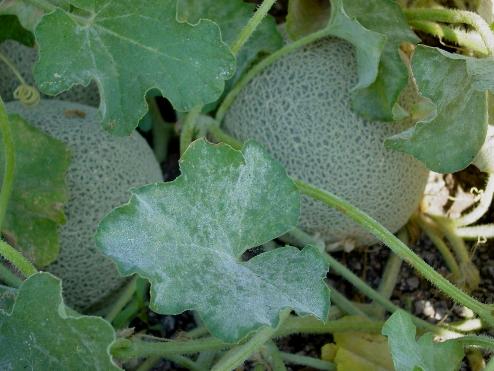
{"x":130,"y":48}
{"x":379,"y":100}
{"x":7,"y":298}
{"x":38,"y":334}
{"x":188,"y":236}
{"x":457,"y":85}
{"x":231,"y":16}
{"x":12,"y":30}
{"x":35,"y":209}
{"x":422,"y":354}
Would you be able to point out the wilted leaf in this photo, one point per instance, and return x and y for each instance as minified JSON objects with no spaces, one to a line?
{"x":187,"y":238}
{"x":458,"y":87}
{"x":35,"y":208}
{"x":424,"y":354}
{"x":39,"y":335}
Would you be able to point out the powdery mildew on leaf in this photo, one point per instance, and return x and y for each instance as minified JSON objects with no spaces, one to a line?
{"x":130,"y":47}
{"x":457,"y":85}
{"x":424,"y":354}
{"x":187,"y":238}
{"x":39,"y":335}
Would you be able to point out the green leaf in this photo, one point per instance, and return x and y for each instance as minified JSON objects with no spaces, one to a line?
{"x":306,"y":16}
{"x":39,"y":335}
{"x":457,"y":85}
{"x":424,"y":354}
{"x":11,"y":29}
{"x":378,"y":101}
{"x":7,"y":298}
{"x":29,"y":14}
{"x":129,"y":48}
{"x":36,"y":206}
{"x":366,"y":24}
{"x":232,"y":16}
{"x":369,"y":44}
{"x":187,"y":238}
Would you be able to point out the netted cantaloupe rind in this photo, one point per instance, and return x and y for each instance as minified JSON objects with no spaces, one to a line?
{"x":300,"y":109}
{"x":103,"y":169}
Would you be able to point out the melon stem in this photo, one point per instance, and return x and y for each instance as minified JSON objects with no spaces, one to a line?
{"x":454,"y":16}
{"x":9,"y":162}
{"x":251,"y":26}
{"x":477,"y":232}
{"x":399,"y":248}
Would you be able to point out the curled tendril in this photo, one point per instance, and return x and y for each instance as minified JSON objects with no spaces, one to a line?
{"x":27,"y":95}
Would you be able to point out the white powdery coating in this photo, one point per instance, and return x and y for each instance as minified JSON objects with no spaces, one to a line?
{"x":24,"y":59}
{"x":300,"y":109}
{"x":103,"y":168}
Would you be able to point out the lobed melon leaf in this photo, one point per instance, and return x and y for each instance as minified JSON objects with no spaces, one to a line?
{"x":232,"y":16}
{"x":457,"y":85}
{"x":422,"y":354}
{"x":187,"y":238}
{"x":11,"y":29}
{"x":39,"y":335}
{"x":130,"y":47}
{"x":379,"y":38}
{"x":35,"y":210}
{"x":379,"y":101}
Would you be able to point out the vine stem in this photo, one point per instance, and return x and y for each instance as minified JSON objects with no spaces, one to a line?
{"x":251,"y":26}
{"x":12,"y":68}
{"x":454,"y":16}
{"x":187,"y":132}
{"x":17,"y":259}
{"x":484,"y":342}
{"x":237,"y":356}
{"x":9,"y":166}
{"x":462,"y":38}
{"x":399,"y":248}
{"x":482,"y":207}
{"x":476,"y":232}
{"x":123,"y":299}
{"x":436,"y":238}
{"x":310,"y":362}
{"x":8,"y":277}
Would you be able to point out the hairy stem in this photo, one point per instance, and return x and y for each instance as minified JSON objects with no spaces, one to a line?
{"x":273,"y":355}
{"x":251,"y":26}
{"x":17,"y":259}
{"x":8,"y":277}
{"x":436,"y":238}
{"x":455,"y":16}
{"x":187,"y":133}
{"x":237,"y":356}
{"x":123,"y":299}
{"x":344,"y":304}
{"x":9,"y":162}
{"x":399,"y":248}
{"x":481,"y":208}
{"x":470,"y":40}
{"x":128,"y":349}
{"x":310,"y":362}
{"x":484,"y":342}
{"x":476,"y":232}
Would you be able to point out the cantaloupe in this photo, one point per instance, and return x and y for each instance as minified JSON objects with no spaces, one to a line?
{"x":103,"y":169}
{"x":24,"y":59}
{"x":300,"y":109}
